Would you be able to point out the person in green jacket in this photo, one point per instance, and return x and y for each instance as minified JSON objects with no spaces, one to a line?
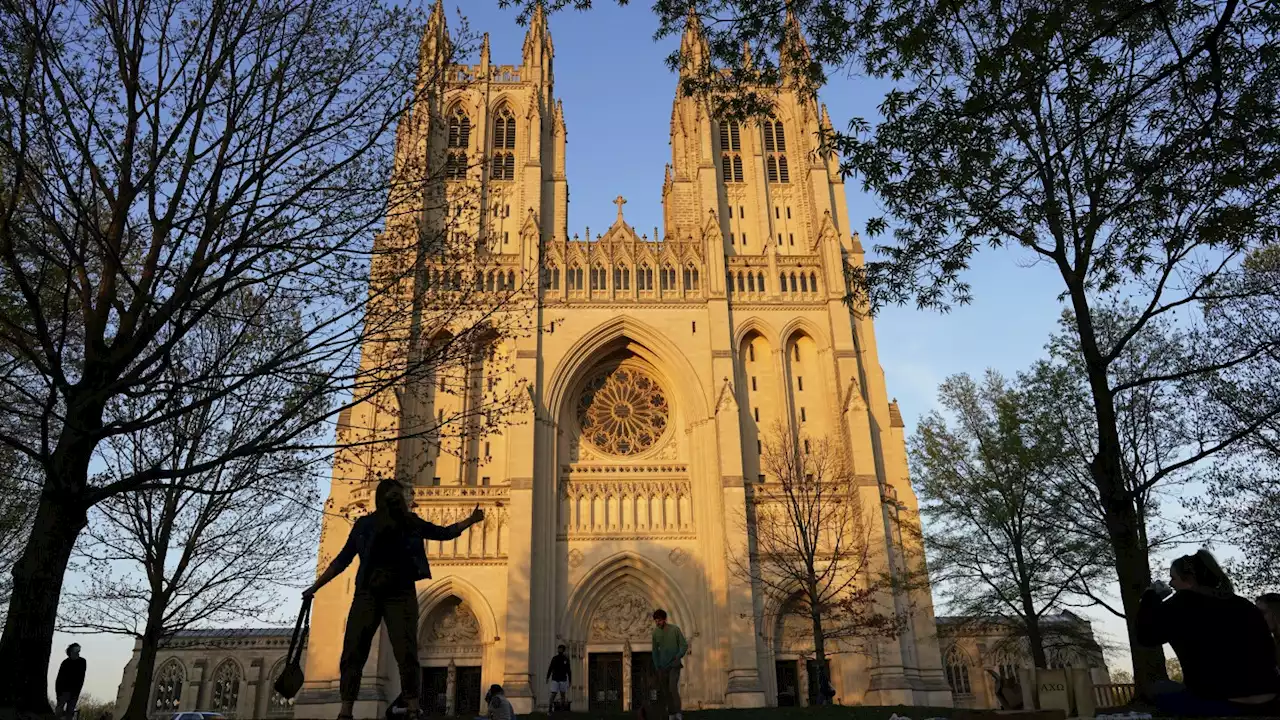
{"x":669,"y":648}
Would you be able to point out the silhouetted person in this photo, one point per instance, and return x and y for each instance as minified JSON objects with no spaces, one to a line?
{"x":1269,"y":604}
{"x":669,"y":648}
{"x":69,"y":682}
{"x":559,"y":675}
{"x":1228,"y":657}
{"x":389,"y":542}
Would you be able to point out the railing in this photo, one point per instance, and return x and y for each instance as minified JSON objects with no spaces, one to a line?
{"x":1113,"y":695}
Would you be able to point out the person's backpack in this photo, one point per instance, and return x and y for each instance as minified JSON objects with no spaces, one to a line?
{"x":290,"y":680}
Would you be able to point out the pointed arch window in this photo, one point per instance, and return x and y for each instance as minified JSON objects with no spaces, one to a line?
{"x":599,"y":278}
{"x":775,"y":148}
{"x":459,"y":130}
{"x":668,"y":277}
{"x":552,"y":278}
{"x":278,"y":705}
{"x":731,"y":151}
{"x":957,"y":670}
{"x":690,"y":278}
{"x":644,"y":278}
{"x":573,"y":280}
{"x":504,"y":145}
{"x":455,"y":162}
{"x":168,"y":688}
{"x":226,"y":688}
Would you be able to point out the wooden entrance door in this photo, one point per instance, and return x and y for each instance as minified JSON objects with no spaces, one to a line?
{"x":787,"y":675}
{"x":466,"y":696}
{"x":604,"y":682}
{"x":435,"y":683}
{"x":644,"y":691}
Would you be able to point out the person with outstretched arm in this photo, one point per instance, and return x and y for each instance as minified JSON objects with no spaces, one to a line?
{"x":669,"y":649}
{"x":389,"y":542}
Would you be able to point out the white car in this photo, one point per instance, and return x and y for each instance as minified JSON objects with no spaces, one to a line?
{"x":198,"y":716}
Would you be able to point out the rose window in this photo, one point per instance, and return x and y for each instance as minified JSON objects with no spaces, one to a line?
{"x":623,"y":411}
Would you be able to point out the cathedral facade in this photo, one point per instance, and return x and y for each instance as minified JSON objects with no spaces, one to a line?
{"x":656,"y":363}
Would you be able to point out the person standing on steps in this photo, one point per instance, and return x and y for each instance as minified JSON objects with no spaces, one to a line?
{"x":389,"y":542}
{"x":669,"y":649}
{"x":69,"y":682}
{"x":559,"y":675}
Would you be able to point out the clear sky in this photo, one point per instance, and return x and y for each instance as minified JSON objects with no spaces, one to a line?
{"x":617,"y":94}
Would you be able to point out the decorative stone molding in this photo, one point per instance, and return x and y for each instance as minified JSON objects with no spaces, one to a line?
{"x":457,"y":493}
{"x":455,"y":625}
{"x":595,"y":304}
{"x":672,"y":469}
{"x":728,"y":399}
{"x":624,"y":614}
{"x":853,"y":400}
{"x":575,"y":558}
{"x":626,"y":508}
{"x":486,"y":541}
{"x":678,"y":557}
{"x":442,"y":561}
{"x":789,"y":304}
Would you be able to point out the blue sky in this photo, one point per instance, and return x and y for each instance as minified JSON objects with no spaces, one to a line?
{"x":617,"y":94}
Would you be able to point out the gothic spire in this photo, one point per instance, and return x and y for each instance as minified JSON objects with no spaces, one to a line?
{"x":694,"y":51}
{"x":435,"y":48}
{"x":794,"y":49}
{"x":537,"y":40}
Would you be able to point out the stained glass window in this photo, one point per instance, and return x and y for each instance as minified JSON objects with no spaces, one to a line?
{"x":226,"y":688}
{"x":168,"y":691}
{"x":623,"y":411}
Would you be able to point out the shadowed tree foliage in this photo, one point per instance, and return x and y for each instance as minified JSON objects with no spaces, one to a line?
{"x":1242,"y":497}
{"x":168,"y":165}
{"x":994,"y":492}
{"x":210,"y":547}
{"x":1131,"y":146}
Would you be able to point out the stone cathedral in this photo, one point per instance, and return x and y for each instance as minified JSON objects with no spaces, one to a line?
{"x":655,"y":366}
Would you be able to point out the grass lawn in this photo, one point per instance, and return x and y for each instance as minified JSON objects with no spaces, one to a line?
{"x":827,"y":712}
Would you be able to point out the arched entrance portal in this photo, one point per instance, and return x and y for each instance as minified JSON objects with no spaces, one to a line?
{"x":608,"y":625}
{"x":455,"y":640}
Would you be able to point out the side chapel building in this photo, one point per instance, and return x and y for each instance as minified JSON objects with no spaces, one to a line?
{"x":655,"y":367}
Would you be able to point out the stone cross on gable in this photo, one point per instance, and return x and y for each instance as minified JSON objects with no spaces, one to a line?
{"x":619,"y":201}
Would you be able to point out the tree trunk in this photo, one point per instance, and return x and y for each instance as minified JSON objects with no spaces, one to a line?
{"x":1035,"y":638}
{"x":27,"y":643}
{"x":140,"y":696}
{"x":819,"y":646}
{"x":1133,"y":570}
